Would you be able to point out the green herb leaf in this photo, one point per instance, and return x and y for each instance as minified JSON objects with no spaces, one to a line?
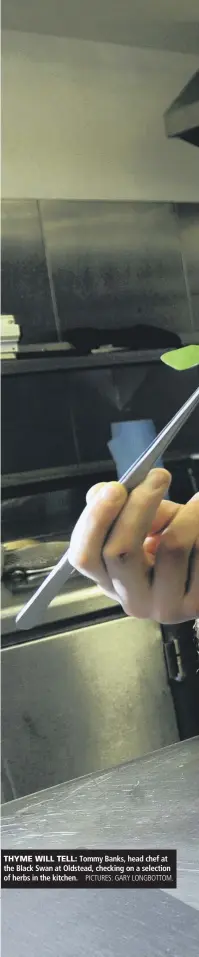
{"x":181,"y":359}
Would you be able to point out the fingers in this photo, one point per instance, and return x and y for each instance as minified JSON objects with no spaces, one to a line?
{"x":191,"y":600}
{"x":118,"y":538}
{"x":85,"y":552}
{"x":92,"y":492}
{"x":165,"y":514}
{"x":135,"y":521}
{"x":105,"y":502}
{"x":174,"y":598}
{"x":123,"y":553}
{"x":182,"y":531}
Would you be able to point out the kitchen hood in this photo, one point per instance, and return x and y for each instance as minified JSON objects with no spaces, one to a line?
{"x":182,"y":117}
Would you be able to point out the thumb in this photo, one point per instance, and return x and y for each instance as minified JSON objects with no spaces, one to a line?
{"x":105,"y":503}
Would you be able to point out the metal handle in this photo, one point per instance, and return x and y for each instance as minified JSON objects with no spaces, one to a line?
{"x":31,"y":614}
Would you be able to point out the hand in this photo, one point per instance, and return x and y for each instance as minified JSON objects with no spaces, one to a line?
{"x":142,"y":550}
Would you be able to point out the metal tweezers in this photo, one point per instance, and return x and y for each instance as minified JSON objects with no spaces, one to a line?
{"x":32,"y":612}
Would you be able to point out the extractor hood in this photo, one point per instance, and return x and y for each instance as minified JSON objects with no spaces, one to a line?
{"x":182,"y":117}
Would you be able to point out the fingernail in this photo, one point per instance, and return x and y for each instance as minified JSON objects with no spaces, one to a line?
{"x":159,"y":478}
{"x":94,"y":490}
{"x":104,"y":492}
{"x":110,"y":490}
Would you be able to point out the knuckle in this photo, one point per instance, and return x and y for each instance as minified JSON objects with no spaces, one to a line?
{"x":110,"y":552}
{"x":170,"y":544}
{"x":119,"y":551}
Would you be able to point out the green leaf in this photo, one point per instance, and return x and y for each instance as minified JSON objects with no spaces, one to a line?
{"x":181,"y":359}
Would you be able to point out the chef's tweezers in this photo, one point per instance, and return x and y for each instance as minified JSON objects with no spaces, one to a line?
{"x":32,"y":612}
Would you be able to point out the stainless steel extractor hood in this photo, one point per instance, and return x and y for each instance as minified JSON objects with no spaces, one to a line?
{"x":182,"y":117}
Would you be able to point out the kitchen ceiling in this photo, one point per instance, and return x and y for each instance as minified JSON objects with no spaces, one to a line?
{"x":158,"y":24}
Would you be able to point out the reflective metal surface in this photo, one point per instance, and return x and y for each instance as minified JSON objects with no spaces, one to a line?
{"x":25,"y":285}
{"x":91,"y":271}
{"x":83,"y":700}
{"x":26,"y":563}
{"x":149,"y":803}
{"x":115,"y":264}
{"x":99,"y":922}
{"x":188,"y":219}
{"x":81,"y":600}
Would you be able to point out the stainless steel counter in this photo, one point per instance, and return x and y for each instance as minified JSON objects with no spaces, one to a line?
{"x":83,"y":597}
{"x":151,"y":802}
{"x":82,"y":699}
{"x":83,"y":692}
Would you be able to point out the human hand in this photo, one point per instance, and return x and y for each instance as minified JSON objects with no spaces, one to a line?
{"x":142,"y":551}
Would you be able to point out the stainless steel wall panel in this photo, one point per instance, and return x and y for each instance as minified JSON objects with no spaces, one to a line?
{"x":25,"y":285}
{"x":188,"y":219}
{"x":99,"y":265}
{"x":116,"y":264}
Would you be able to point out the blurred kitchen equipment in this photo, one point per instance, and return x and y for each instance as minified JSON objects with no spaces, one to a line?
{"x":10,"y":335}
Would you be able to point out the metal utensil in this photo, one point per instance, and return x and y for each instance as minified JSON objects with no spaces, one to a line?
{"x":32,"y":612}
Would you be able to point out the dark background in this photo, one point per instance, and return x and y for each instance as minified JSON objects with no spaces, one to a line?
{"x":88,"y":273}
